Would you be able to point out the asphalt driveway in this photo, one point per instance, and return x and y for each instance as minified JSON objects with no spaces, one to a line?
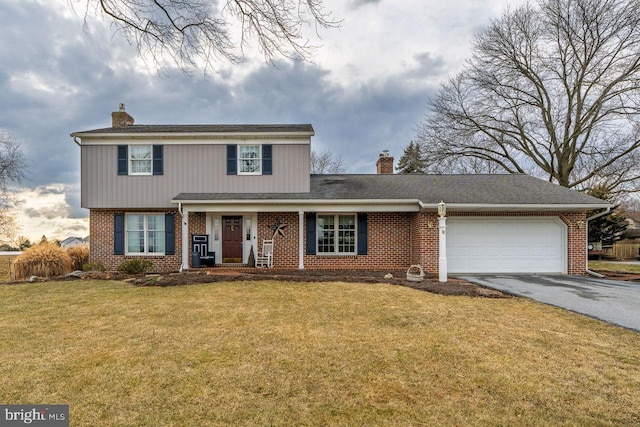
{"x":613,"y":301}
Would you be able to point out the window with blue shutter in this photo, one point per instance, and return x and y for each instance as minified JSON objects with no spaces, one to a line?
{"x":118,"y":234}
{"x":169,"y":234}
{"x":267,"y":159}
{"x":123,"y":160}
{"x":157,"y":160}
{"x":232,"y":159}
{"x":362,"y":234}
{"x":311,"y":233}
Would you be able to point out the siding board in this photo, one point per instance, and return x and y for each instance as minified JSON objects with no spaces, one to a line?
{"x":187,"y":169}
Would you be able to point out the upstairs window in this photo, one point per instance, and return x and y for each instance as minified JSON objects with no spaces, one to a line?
{"x":249,"y":160}
{"x":140,"y":160}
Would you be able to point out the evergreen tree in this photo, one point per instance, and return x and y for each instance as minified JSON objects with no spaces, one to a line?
{"x":411,"y":160}
{"x":608,"y":228}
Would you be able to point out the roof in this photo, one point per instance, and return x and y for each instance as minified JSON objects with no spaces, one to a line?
{"x":504,"y":189}
{"x":200,"y":129}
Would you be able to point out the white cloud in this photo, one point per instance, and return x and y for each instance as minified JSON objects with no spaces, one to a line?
{"x":45,"y":210}
{"x":364,"y":92}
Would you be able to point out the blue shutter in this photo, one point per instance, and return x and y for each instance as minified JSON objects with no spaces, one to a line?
{"x":157,"y":160}
{"x":311,"y":234}
{"x":267,"y":163}
{"x":169,"y":234}
{"x":118,"y":234}
{"x":123,"y":160}
{"x":362,"y":234}
{"x":232,"y":159}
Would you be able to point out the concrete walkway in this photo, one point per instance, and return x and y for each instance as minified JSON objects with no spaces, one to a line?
{"x":613,"y":301}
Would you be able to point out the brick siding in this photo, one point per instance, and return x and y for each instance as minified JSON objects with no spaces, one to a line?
{"x":101,"y":246}
{"x":395,"y":240}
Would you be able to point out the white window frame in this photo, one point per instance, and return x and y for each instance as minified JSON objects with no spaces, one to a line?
{"x":336,"y":231}
{"x":146,"y":232}
{"x":259,"y":159}
{"x":132,"y":160}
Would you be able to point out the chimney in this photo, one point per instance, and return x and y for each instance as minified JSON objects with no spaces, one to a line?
{"x":384,"y":164}
{"x":121,"y":118}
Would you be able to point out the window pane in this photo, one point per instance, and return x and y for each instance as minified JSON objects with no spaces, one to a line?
{"x":140,"y":152}
{"x":326,"y":234}
{"x":155,"y":222}
{"x":140,"y":159}
{"x":250,"y":166}
{"x":156,"y":242}
{"x":140,"y":166}
{"x":135,"y":241}
{"x":347,"y":234}
{"x":135,"y":222}
{"x":249,"y":159}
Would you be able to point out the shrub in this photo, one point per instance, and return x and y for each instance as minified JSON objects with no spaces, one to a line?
{"x":79,"y":256}
{"x":44,"y":260}
{"x":134,"y":266}
{"x":93,"y":266}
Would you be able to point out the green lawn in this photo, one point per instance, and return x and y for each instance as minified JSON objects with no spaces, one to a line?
{"x":271,"y":353}
{"x":615,"y":267}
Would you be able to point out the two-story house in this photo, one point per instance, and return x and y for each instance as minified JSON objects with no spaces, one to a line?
{"x":161,"y":191}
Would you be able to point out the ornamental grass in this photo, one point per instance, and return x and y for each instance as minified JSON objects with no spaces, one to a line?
{"x":43,"y":260}
{"x":79,"y":256}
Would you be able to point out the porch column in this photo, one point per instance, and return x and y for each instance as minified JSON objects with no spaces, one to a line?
{"x":442,"y":242}
{"x":301,"y":240}
{"x":185,"y":240}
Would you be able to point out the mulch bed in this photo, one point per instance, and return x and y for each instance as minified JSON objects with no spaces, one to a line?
{"x":429,"y":284}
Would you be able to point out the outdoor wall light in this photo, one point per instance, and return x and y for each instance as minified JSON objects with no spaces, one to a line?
{"x":581,"y":224}
{"x":442,"y":209}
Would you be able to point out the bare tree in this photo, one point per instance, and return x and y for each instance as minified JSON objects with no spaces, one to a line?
{"x":12,"y":171}
{"x":551,"y":90}
{"x":325,"y":162}
{"x":199,"y":32}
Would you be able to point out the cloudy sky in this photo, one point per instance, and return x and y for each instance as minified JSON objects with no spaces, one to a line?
{"x":364,"y":91}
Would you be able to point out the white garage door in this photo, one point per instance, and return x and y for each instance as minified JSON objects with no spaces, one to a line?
{"x":506,"y":245}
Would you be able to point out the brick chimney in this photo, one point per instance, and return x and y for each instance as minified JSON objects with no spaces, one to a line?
{"x":385,"y":163}
{"x":121,"y":118}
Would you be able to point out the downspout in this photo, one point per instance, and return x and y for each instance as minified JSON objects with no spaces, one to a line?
{"x":181,"y":219}
{"x":598,"y":215}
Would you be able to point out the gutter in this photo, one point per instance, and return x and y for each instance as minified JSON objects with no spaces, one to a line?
{"x":598,"y":215}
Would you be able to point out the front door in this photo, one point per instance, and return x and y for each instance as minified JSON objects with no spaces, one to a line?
{"x":231,"y":239}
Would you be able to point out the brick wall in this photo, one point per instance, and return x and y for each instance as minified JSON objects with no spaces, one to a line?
{"x":285,"y":248}
{"x":101,"y":246}
{"x":395,"y":240}
{"x":388,"y":243}
{"x":424,"y":240}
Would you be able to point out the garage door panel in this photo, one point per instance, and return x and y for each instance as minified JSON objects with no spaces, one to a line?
{"x":506,"y":245}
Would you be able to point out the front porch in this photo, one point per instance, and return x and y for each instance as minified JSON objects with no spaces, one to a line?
{"x":377,"y":240}
{"x":233,"y":240}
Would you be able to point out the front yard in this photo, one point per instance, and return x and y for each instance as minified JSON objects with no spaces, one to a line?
{"x":258,"y":353}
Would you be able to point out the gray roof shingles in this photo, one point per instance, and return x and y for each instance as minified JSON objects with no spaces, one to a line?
{"x":224,"y":129}
{"x":505,"y":189}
